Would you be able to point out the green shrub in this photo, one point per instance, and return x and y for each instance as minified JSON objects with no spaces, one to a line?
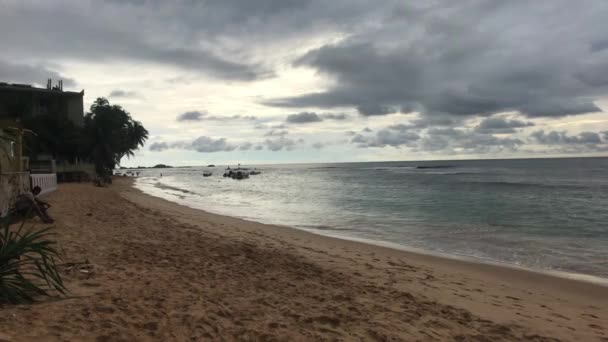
{"x":27,"y":264}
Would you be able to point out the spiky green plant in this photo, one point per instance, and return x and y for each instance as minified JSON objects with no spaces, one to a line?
{"x":27,"y":264}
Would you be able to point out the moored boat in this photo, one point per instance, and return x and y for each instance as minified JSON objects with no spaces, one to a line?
{"x":239,"y":173}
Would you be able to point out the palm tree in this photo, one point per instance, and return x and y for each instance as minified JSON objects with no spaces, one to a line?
{"x":110,"y":134}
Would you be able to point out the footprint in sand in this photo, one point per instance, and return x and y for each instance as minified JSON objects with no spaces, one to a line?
{"x":589,"y":315}
{"x":334,"y":322}
{"x":560,"y":316}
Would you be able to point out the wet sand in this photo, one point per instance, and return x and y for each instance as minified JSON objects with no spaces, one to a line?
{"x":142,"y":268}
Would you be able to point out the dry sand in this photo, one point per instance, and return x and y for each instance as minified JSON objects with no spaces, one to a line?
{"x":141,"y":268}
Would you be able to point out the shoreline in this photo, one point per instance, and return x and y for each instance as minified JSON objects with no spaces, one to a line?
{"x":490,"y":275}
{"x":153,"y":270}
{"x":585,"y":278}
{"x":437,"y":258}
{"x":582,"y":277}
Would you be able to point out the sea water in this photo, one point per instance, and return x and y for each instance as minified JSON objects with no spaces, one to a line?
{"x":547,"y":214}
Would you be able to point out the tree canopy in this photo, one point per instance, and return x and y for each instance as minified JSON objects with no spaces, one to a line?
{"x":108,"y":134}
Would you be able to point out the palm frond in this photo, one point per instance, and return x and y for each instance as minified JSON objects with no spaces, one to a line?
{"x":27,"y":264}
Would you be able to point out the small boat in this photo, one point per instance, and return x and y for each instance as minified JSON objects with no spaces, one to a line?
{"x":240,"y":175}
{"x":254,"y":172}
{"x":207,"y":174}
{"x":210,"y":165}
{"x":237,"y":173}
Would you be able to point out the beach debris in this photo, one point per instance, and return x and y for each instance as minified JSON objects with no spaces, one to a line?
{"x":84,"y":267}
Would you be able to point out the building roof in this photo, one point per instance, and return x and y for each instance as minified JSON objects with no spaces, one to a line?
{"x":32,"y":89}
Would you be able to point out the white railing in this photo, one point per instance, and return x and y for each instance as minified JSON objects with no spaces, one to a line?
{"x":46,"y":181}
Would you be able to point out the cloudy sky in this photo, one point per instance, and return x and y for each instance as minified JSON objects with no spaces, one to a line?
{"x":270,"y":81}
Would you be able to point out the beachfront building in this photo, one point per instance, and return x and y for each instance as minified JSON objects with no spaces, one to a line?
{"x":21,"y":103}
{"x":22,"y":168}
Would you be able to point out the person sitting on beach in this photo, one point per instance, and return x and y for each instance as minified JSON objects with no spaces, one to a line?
{"x":27,"y":202}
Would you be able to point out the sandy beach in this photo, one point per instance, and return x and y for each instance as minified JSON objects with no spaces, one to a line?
{"x":141,"y":268}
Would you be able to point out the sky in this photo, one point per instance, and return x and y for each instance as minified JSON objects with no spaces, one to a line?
{"x":290,"y":81}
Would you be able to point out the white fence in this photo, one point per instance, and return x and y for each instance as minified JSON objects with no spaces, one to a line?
{"x":46,"y":181}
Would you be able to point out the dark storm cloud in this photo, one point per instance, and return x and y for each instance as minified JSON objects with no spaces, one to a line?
{"x":562,"y":142}
{"x":159,"y":146}
{"x":434,"y":121}
{"x":364,"y":130}
{"x":205,"y":144}
{"x":422,"y":123}
{"x":599,"y":45}
{"x":100,"y":32}
{"x":229,"y":118}
{"x":560,"y":107}
{"x":308,"y":117}
{"x":209,"y":145}
{"x":276,"y":133}
{"x":201,"y":144}
{"x":386,"y":137}
{"x":436,"y":139}
{"x":451,"y":140}
{"x":191,"y":116}
{"x":333,"y":116}
{"x":281,"y":143}
{"x":122,"y":93}
{"x":217,"y":38}
{"x":31,"y":74}
{"x":500,"y":125}
{"x":204,"y":116}
{"x":266,"y":126}
{"x":562,"y":138}
{"x":323,"y":144}
{"x":304,"y":117}
{"x":245,"y":146}
{"x":372,"y":109}
{"x":469,"y":58}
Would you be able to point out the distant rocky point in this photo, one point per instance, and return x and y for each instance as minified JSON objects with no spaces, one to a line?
{"x":161,"y":166}
{"x":157,"y":166}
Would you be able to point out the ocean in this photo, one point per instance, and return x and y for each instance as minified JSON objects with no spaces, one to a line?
{"x":547,"y":214}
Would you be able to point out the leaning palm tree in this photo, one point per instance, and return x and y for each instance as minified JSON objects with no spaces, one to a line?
{"x":27,"y":264}
{"x":136,"y":137}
